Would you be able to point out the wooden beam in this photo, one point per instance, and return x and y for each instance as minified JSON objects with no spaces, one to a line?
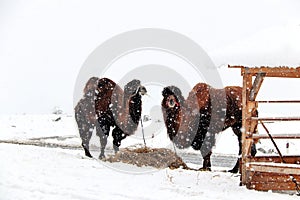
{"x":292,"y":159}
{"x":264,"y":181}
{"x":277,"y":136}
{"x":256,"y":85}
{"x":271,"y":177}
{"x":285,"y":72}
{"x":280,"y":101}
{"x":275,"y":118}
{"x":275,"y":186}
{"x":280,"y":168}
{"x":246,"y":125}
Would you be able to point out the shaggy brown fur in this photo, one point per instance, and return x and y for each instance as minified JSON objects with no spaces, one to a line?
{"x":206,"y":112}
{"x":116,"y":108}
{"x":85,"y":114}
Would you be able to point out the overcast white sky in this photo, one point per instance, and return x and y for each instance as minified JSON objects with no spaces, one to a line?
{"x":44,"y":43}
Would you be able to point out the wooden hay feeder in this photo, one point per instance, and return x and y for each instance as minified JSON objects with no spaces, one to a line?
{"x":277,"y":173}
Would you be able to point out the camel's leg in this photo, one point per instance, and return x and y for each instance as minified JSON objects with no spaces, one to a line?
{"x":253,"y":146}
{"x":253,"y":149}
{"x":206,"y":150}
{"x":206,"y":162}
{"x":238,"y":133}
{"x":102,"y":132}
{"x":85,"y":131}
{"x":118,"y":136}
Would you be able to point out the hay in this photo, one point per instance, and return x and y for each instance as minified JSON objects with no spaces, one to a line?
{"x":155,"y":157}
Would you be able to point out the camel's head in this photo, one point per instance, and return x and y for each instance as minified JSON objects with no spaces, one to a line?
{"x":171,"y":107}
{"x":91,"y":86}
{"x":134,"y":88}
{"x":133,"y":92}
{"x":172,"y":98}
{"x":177,"y":117}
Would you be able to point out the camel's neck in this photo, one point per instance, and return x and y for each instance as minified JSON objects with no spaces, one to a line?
{"x":173,"y":120}
{"x":90,"y":97}
{"x":129,"y":113}
{"x":90,"y":94}
{"x":182,"y":125}
{"x":135,"y":108}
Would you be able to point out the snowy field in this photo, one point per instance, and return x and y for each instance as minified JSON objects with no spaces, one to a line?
{"x":45,"y":45}
{"x":41,"y":172}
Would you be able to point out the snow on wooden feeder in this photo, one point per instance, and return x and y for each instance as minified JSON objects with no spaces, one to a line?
{"x":277,"y":173}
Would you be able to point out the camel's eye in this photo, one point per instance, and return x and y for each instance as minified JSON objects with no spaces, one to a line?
{"x":171,"y":103}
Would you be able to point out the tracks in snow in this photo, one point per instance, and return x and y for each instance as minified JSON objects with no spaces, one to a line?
{"x":42,"y":142}
{"x":217,"y":160}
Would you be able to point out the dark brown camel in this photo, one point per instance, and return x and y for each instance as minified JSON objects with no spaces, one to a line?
{"x":206,"y":112}
{"x":113,"y":107}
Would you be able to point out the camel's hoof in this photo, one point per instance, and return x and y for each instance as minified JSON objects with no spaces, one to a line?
{"x":101,"y":157}
{"x":208,"y":169}
{"x":116,"y":149}
{"x":87,"y":153}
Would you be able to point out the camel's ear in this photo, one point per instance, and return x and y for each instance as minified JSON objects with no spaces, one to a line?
{"x":165,"y":92}
{"x":173,"y":90}
{"x":168,"y":91}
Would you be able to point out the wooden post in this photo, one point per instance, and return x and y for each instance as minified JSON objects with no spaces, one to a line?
{"x":256,"y":85}
{"x":246,"y":144}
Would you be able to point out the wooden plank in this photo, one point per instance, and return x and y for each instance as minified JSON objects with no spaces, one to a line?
{"x":256,"y":85}
{"x":277,"y":136}
{"x":276,"y":118}
{"x":271,"y":177}
{"x":284,"y":72}
{"x":246,"y":143}
{"x":275,"y":186}
{"x":288,"y":159}
{"x":280,"y":101}
{"x":252,"y":111}
{"x":281,"y":168}
{"x":265,"y":181}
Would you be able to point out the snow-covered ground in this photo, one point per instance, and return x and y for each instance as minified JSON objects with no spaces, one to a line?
{"x":34,"y":172}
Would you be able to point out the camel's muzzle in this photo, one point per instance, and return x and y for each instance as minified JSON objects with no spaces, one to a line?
{"x":143,"y":90}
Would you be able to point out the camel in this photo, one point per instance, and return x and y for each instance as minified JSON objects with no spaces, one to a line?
{"x":112,"y":107}
{"x":195,"y":122}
